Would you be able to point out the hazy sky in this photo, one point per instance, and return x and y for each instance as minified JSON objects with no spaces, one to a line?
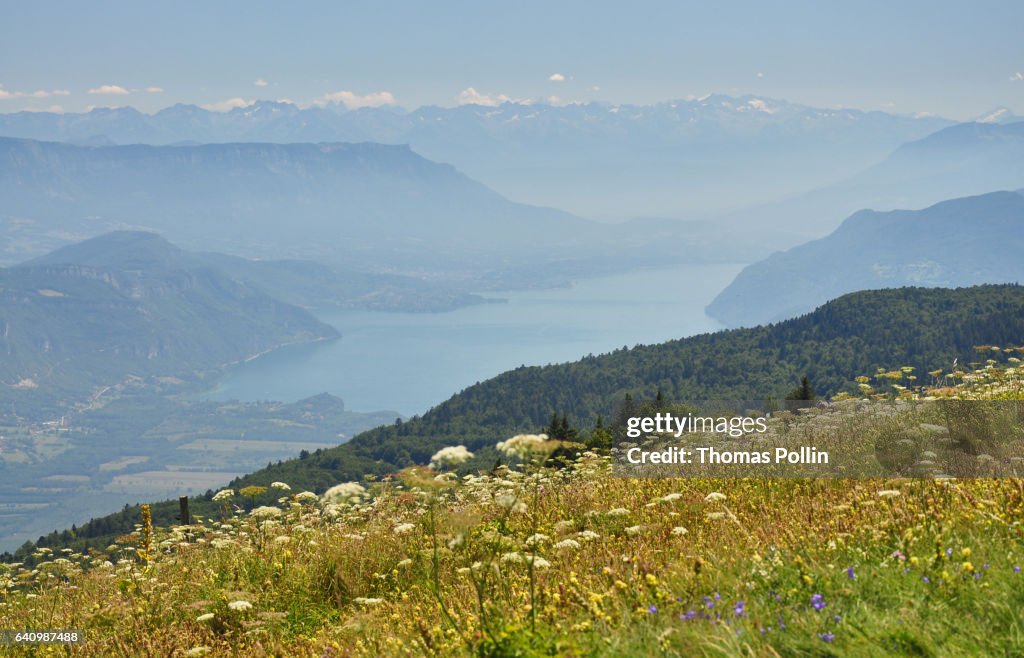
{"x":957,"y":59}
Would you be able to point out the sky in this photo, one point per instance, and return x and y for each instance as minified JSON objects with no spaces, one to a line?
{"x":954,"y":59}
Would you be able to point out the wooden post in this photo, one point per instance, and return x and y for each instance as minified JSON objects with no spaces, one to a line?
{"x":183,"y":504}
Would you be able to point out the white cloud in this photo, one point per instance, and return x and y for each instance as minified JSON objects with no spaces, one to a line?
{"x":470,"y":96}
{"x":115,"y":90}
{"x":1017,"y":77}
{"x":155,"y":90}
{"x":595,"y":88}
{"x":353,"y":101}
{"x":260,"y":82}
{"x":556,"y":77}
{"x":760,"y":74}
{"x":227,"y":104}
{"x":39,"y":93}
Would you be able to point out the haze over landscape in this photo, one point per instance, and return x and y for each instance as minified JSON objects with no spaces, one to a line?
{"x":244,"y":244}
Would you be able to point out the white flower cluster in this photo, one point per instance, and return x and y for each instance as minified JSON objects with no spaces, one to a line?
{"x":340,"y":492}
{"x":522,"y":445}
{"x":451,"y":455}
{"x":223,"y":494}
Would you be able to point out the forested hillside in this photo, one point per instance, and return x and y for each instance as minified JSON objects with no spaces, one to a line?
{"x":847,"y":337}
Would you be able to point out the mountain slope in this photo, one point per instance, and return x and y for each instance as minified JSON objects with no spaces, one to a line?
{"x":129,"y":305}
{"x":961,"y":242}
{"x":847,"y":337}
{"x":850,"y":336}
{"x":339,"y":203}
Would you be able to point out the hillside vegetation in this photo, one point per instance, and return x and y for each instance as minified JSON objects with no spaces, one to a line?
{"x":139,"y":308}
{"x":531,"y":559}
{"x":922,"y":328}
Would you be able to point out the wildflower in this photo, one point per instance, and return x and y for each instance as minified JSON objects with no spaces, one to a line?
{"x":1016,"y":569}
{"x":652,"y":610}
{"x":367,"y":601}
{"x":280,"y":485}
{"x":222,"y":495}
{"x":404,"y":563}
{"x":240,"y":606}
{"x":850,"y":574}
{"x":536,"y":538}
{"x":451,"y":455}
{"x":403,"y":528}
{"x":634,"y":530}
{"x":967,"y":566}
{"x":672,"y":497}
{"x":306,"y":497}
{"x":206,"y":617}
{"x":739,"y":608}
{"x":827,"y":636}
{"x":689,"y":615}
{"x":266,"y":512}
{"x":522,"y":445}
{"x":588,"y":535}
{"x":538,"y":562}
{"x":818,"y":602}
{"x":889,"y":493}
{"x":713,"y":497}
{"x":618,"y":511}
{"x":679,"y":531}
{"x":567,"y":544}
{"x":965,"y":553}
{"x":342,"y":491}
{"x":282,"y":539}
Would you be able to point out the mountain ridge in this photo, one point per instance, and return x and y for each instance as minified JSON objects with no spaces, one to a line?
{"x":965,"y":241}
{"x":138,"y":308}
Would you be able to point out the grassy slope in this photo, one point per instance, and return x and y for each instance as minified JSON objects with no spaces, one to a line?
{"x":421,"y":566}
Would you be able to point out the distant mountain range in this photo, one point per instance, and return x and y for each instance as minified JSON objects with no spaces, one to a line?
{"x":129,"y":306}
{"x":955,"y":243}
{"x":679,"y":158}
{"x":365,"y":207}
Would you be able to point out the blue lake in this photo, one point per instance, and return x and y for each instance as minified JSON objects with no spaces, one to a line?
{"x":409,"y":362}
